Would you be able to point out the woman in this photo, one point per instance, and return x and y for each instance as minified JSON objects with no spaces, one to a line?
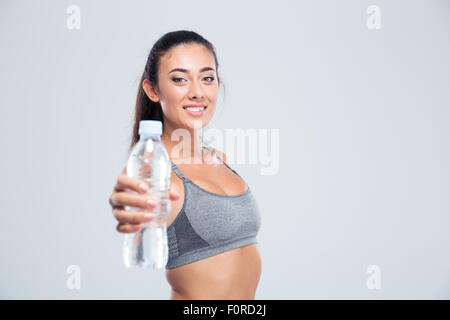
{"x":214,"y":218}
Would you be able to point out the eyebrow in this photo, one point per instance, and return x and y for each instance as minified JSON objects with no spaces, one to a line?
{"x":187,"y":71}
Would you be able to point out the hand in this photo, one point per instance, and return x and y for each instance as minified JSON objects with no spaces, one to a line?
{"x":130,"y":221}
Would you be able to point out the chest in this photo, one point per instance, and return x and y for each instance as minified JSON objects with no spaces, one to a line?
{"x":214,"y":178}
{"x":221,"y":219}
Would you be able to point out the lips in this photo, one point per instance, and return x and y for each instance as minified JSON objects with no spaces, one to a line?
{"x":195,"y":109}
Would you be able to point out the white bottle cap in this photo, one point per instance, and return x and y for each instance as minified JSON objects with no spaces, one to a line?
{"x":150,"y":127}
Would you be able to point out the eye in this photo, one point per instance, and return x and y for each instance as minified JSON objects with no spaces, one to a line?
{"x":178,"y":80}
{"x":173,"y":79}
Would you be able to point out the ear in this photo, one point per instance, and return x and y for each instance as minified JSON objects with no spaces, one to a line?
{"x":150,"y":90}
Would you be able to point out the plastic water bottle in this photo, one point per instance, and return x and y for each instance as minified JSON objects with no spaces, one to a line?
{"x":150,"y":162}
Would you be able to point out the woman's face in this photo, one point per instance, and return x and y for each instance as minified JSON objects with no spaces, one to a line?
{"x":196,"y":84}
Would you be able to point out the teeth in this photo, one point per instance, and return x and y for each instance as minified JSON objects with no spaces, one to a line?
{"x":195,"y":109}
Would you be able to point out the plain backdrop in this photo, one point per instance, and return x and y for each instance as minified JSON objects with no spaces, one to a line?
{"x":363,"y":117}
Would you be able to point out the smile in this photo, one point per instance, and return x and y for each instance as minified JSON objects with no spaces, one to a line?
{"x":195,"y":111}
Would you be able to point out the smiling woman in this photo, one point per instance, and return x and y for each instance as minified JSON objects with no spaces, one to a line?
{"x":212,"y":226}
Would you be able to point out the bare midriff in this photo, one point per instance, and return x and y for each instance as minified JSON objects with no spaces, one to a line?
{"x":233,"y":274}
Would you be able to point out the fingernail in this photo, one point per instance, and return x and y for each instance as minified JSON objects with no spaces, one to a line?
{"x":113,"y":200}
{"x":151,"y":203}
{"x":143,"y":187}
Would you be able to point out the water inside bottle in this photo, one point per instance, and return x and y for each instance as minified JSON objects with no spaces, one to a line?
{"x":148,"y":247}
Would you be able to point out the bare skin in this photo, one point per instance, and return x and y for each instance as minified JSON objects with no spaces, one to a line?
{"x":233,"y":274}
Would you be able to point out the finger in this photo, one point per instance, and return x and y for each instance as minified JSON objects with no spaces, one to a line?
{"x":113,"y":202}
{"x":128,"y":228}
{"x":145,"y":172}
{"x":122,"y":199}
{"x":125,"y":182}
{"x":132,"y":217}
{"x":173,"y":195}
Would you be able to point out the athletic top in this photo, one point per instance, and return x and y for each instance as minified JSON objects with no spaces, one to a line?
{"x":210,"y":223}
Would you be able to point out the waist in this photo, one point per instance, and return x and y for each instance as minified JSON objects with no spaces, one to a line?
{"x":232,"y":274}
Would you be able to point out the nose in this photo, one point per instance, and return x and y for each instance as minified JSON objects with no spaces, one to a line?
{"x":196,"y":90}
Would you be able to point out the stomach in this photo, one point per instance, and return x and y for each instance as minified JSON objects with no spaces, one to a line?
{"x":232,"y":274}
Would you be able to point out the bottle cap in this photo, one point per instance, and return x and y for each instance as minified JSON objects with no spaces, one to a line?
{"x":150,"y":127}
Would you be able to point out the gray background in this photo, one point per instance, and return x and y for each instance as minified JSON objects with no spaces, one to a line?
{"x":364,"y":141}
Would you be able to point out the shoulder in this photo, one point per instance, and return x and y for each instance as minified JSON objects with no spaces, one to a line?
{"x":221,"y":154}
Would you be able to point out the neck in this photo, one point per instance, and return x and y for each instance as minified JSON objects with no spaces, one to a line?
{"x":185,"y":146}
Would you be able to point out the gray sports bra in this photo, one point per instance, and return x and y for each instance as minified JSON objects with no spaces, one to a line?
{"x":210,"y":223}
